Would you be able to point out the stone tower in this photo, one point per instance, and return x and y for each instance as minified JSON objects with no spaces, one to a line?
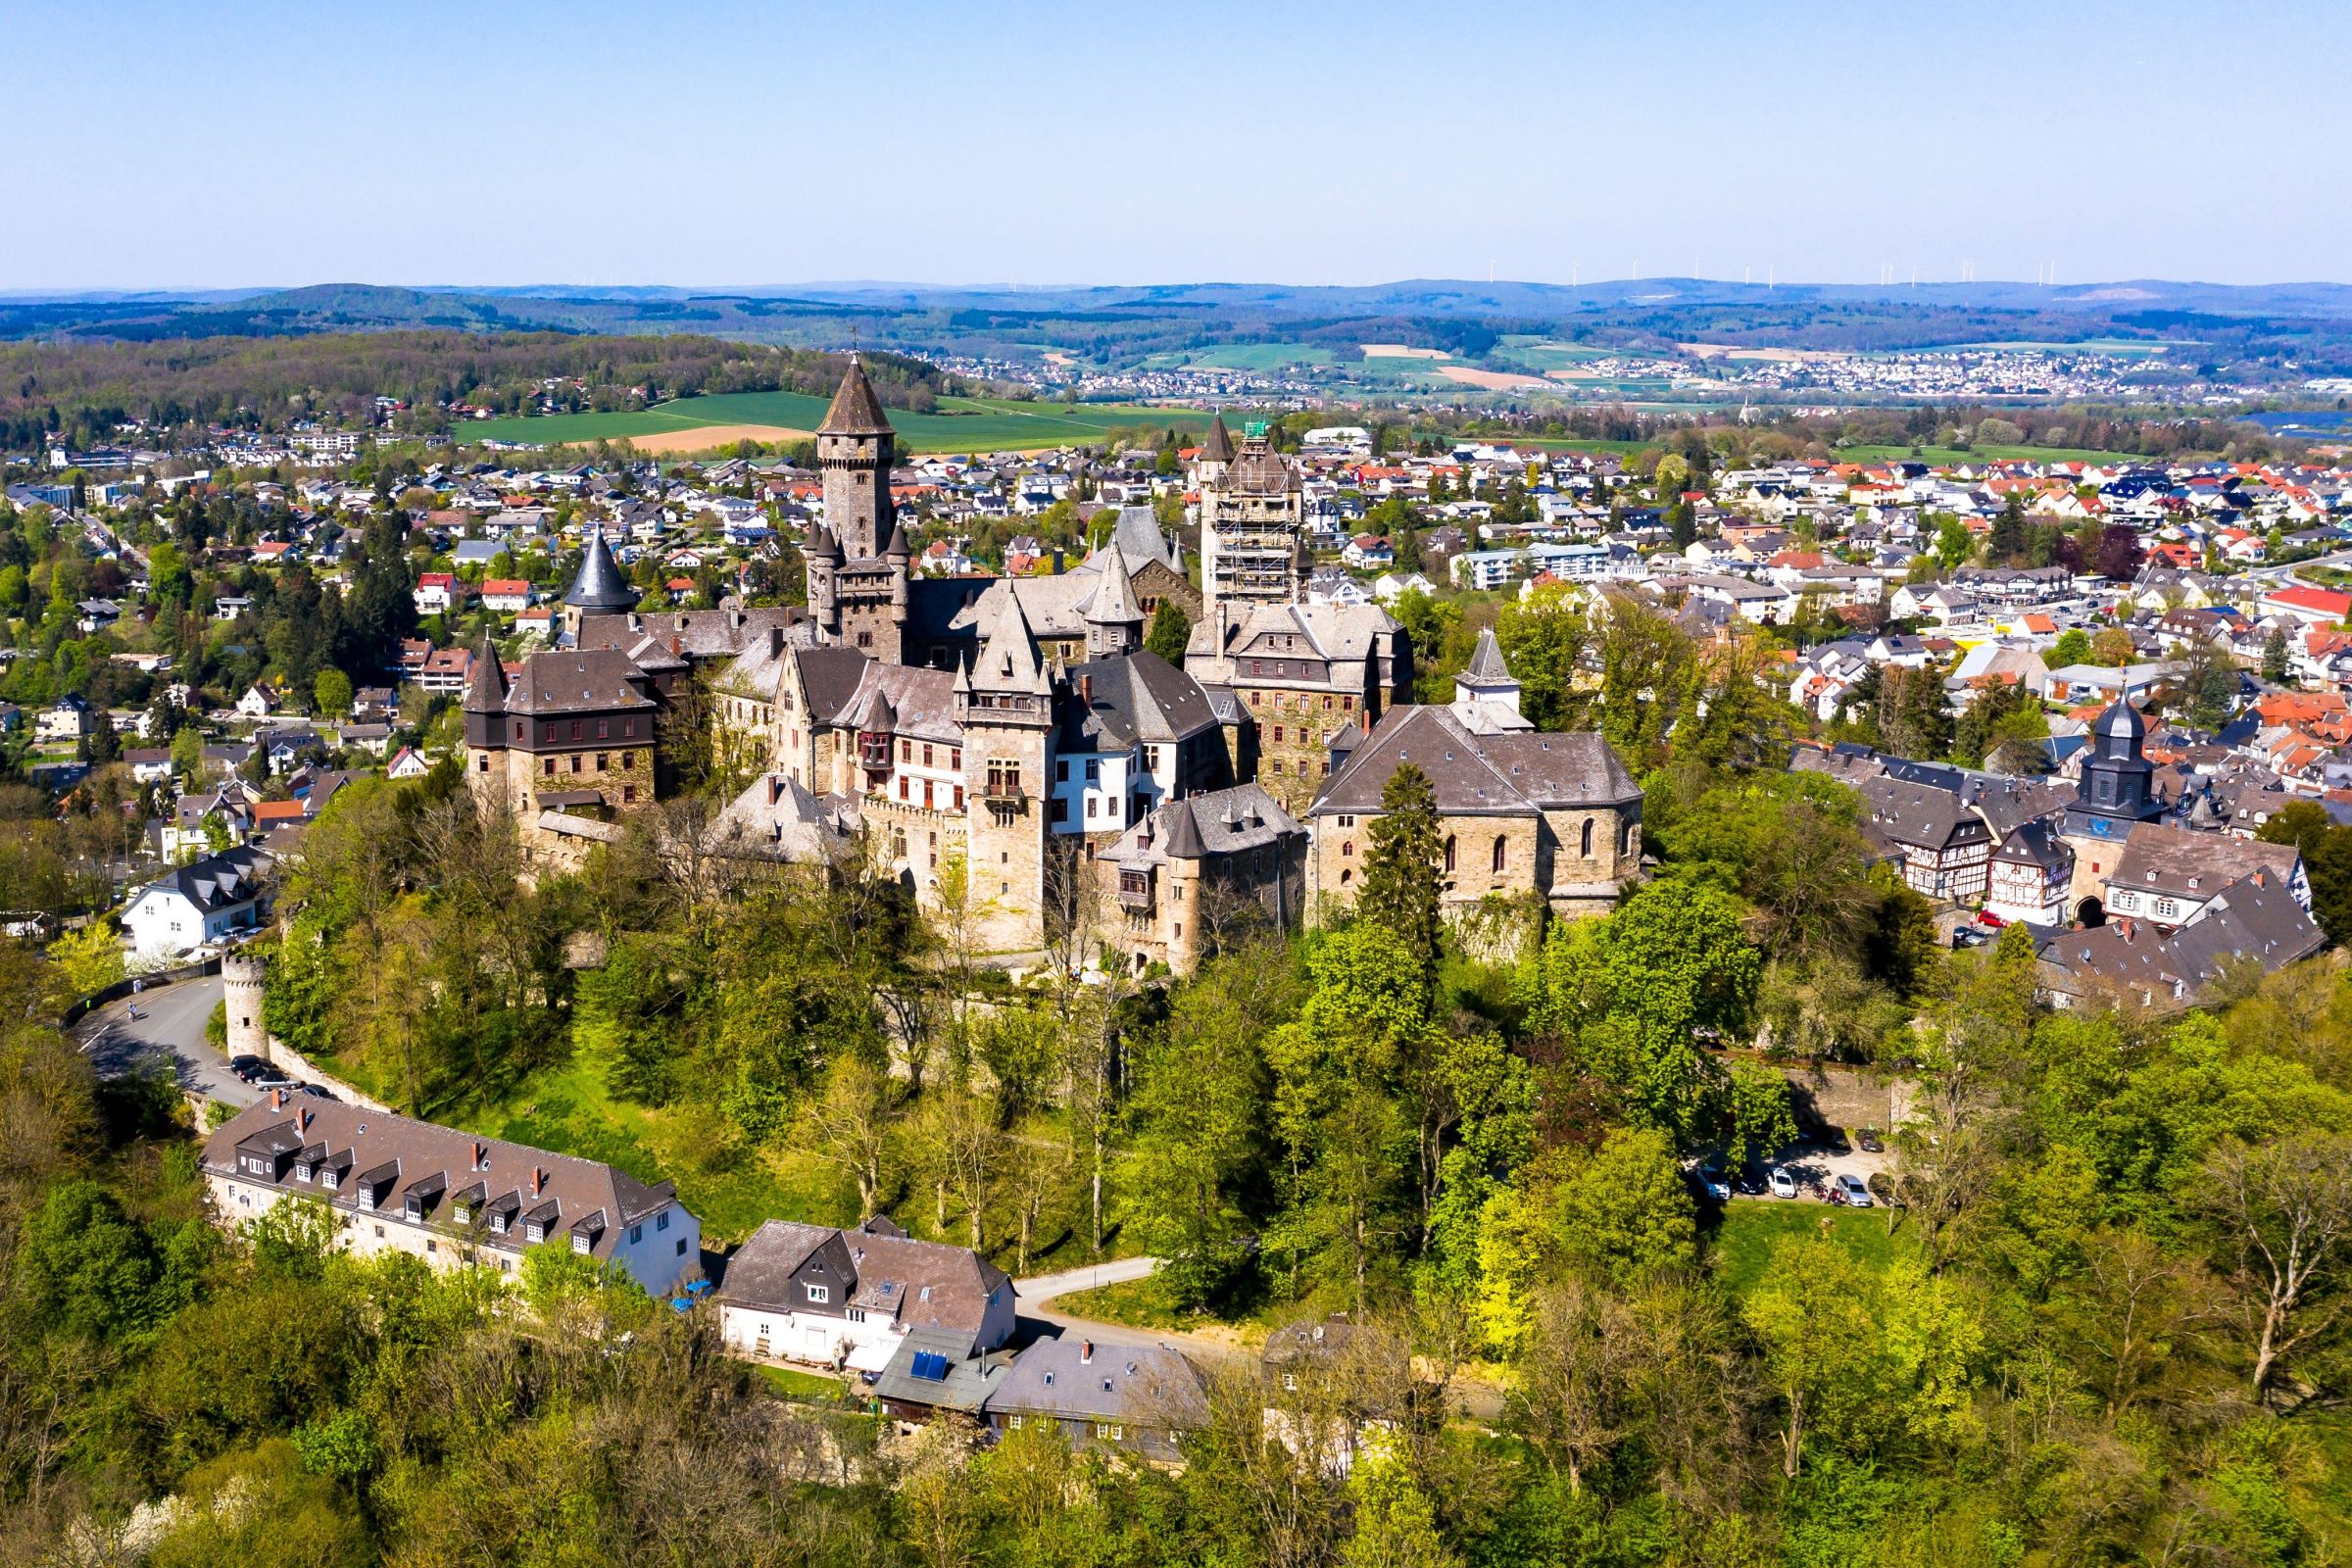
{"x":1004,"y":701}
{"x":860,"y":560}
{"x":1114,"y":616}
{"x":496,"y":773}
{"x":243,"y":980}
{"x":1252,"y":529}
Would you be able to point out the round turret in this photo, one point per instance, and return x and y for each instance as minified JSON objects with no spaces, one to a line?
{"x":243,"y":981}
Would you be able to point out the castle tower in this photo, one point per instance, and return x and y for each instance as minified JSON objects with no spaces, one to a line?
{"x":600,"y":589}
{"x":243,"y":982}
{"x":1004,"y":701}
{"x":1114,"y":616}
{"x":867,"y":592}
{"x":823,"y":560}
{"x":1217,"y":451}
{"x":487,"y":764}
{"x":1252,"y":515}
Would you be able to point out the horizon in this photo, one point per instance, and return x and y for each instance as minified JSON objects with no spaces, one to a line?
{"x":1511,"y":140}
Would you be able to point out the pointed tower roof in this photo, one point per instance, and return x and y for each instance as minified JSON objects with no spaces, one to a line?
{"x":600,"y":584}
{"x":1486,"y":663}
{"x":823,"y":546}
{"x":1180,"y":839}
{"x":898,"y":544}
{"x":879,"y":717}
{"x":856,"y":410}
{"x":1218,"y":448}
{"x":1009,"y":660}
{"x":1114,"y":602}
{"x":486,"y":682}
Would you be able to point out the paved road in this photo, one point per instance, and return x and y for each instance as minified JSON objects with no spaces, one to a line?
{"x":1044,"y":1287}
{"x":169,"y":1029}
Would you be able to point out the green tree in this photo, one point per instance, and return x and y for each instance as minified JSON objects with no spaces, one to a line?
{"x":1954,"y":544}
{"x":89,"y":959}
{"x":1542,"y":636}
{"x":2008,"y":541}
{"x":2326,"y":851}
{"x":1405,"y":871}
{"x":333,"y":691}
{"x":1171,"y":632}
{"x":87,"y":1268}
{"x":2071,"y":648}
{"x":1625,"y":1211}
{"x":2276,"y":655}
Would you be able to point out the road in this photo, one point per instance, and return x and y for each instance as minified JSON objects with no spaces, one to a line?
{"x":169,"y":1029}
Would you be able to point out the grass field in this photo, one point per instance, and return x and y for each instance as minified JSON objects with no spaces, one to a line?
{"x":1260,"y":357}
{"x":1750,"y":1227}
{"x":1946,"y":455}
{"x":962,"y":424}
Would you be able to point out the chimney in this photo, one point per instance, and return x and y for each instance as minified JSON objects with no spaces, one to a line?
{"x":535,"y":1179}
{"x":1086,"y":689}
{"x":278,"y":1100}
{"x":1085,"y":1351}
{"x":677,"y":644}
{"x":775,"y":642}
{"x":2262,"y":877}
{"x":2123,"y":929}
{"x":481,"y":1157}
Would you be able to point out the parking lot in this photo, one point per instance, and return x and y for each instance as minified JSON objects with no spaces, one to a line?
{"x":1813,"y":1165}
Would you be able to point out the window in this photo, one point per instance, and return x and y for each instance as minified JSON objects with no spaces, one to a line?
{"x":662,"y":1220}
{"x":1449,"y":851}
{"x":629,"y":731}
{"x":600,"y":761}
{"x":906,"y":751}
{"x":636,"y":1234}
{"x":1502,"y":849}
{"x":856,"y":1314}
{"x":1346,"y":847}
{"x":1061,"y":771}
{"x":431,"y":1246}
{"x":628,"y":793}
{"x":575,"y":761}
{"x":681,"y":1247}
{"x":578,"y":726}
{"x":1278,"y":734}
{"x":628,"y":759}
{"x":1588,"y":844}
{"x":819,"y":1292}
{"x":603,"y":728}
{"x":926,"y":753}
{"x":546,"y":765}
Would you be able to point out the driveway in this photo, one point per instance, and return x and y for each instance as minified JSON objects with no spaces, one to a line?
{"x":169,"y":1031}
{"x":1118,"y":1271}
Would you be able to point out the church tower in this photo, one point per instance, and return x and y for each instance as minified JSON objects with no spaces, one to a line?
{"x":860,"y":561}
{"x":2114,"y":794}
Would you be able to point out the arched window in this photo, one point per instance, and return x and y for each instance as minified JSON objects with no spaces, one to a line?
{"x":1633,"y":834}
{"x":1347,"y":877}
{"x":1449,"y":851}
{"x":1348,"y":849}
{"x":1588,"y":848}
{"x":1500,"y":849}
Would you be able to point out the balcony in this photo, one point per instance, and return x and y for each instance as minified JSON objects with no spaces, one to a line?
{"x":1135,"y":891}
{"x":1004,"y":787}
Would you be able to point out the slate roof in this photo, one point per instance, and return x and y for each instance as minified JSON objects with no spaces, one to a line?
{"x":600,"y":584}
{"x":922,"y":1285}
{"x":1197,"y":827}
{"x":854,"y":410}
{"x":1509,"y":775}
{"x":1136,"y":698}
{"x":1074,"y":1379}
{"x":1920,"y":814}
{"x":1218,"y":446}
{"x":217,"y":882}
{"x":417,"y":1158}
{"x":572,"y":681}
{"x":690,"y":634}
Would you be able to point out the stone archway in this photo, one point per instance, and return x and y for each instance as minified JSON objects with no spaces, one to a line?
{"x":2091,"y":912}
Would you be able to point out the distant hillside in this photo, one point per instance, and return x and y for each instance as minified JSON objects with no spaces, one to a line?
{"x":2308,"y":325}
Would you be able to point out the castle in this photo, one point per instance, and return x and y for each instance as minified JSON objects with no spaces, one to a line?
{"x":1008,"y":747}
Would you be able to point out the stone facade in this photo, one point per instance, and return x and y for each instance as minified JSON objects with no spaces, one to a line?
{"x":1253,"y":525}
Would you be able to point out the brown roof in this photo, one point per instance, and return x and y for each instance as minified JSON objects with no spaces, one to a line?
{"x":855,"y":411}
{"x":920,"y":1285}
{"x":2186,"y":863}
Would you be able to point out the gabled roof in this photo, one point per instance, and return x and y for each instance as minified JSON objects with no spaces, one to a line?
{"x":1130,"y":699}
{"x":577,"y":681}
{"x":1507,"y":774}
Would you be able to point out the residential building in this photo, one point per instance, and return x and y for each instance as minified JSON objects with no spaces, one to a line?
{"x":827,"y":1297}
{"x":206,"y":900}
{"x":454,"y":1199}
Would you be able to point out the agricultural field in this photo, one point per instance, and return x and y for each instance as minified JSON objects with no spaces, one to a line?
{"x":1261,"y":357}
{"x":961,"y":425}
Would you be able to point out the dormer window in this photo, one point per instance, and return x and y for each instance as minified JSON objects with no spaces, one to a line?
{"x":462,"y":1214}
{"x":820,"y":1292}
{"x":534,"y":1231}
{"x":579,"y":1241}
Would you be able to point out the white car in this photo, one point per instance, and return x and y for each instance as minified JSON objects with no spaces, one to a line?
{"x":1782,"y":1183}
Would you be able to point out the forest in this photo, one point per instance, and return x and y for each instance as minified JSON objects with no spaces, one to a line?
{"x":79,"y":392}
{"x":2098,"y":1314}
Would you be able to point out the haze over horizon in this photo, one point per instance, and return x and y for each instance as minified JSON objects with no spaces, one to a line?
{"x":1825,"y":142}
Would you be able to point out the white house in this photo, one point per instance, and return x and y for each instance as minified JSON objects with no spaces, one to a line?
{"x":393,"y":1185}
{"x":205,"y":900}
{"x":847,"y":1298}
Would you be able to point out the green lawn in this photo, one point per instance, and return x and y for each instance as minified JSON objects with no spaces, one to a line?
{"x":1947,"y":454}
{"x":1744,"y":1242}
{"x":793,"y":1385}
{"x":1260,"y":357}
{"x":961,"y":425}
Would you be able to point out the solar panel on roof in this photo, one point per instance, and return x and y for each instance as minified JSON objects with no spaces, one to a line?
{"x":930,"y":1366}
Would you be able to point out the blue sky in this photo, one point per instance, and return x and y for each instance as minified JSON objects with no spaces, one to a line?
{"x":212,"y":143}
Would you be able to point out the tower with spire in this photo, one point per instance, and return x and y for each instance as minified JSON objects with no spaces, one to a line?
{"x":599,"y":589}
{"x":859,"y":559}
{"x":1114,"y":616}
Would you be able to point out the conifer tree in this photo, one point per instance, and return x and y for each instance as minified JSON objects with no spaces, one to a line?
{"x":1404,"y":870}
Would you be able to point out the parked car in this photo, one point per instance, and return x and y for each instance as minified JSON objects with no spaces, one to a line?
{"x":1835,"y":1140}
{"x":1782,"y":1184}
{"x":1872,"y":1143}
{"x":271,"y":1078}
{"x":1751,"y":1181}
{"x":1711,"y":1176}
{"x":247,"y":1068}
{"x":317,"y":1091}
{"x":1848,"y":1190}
